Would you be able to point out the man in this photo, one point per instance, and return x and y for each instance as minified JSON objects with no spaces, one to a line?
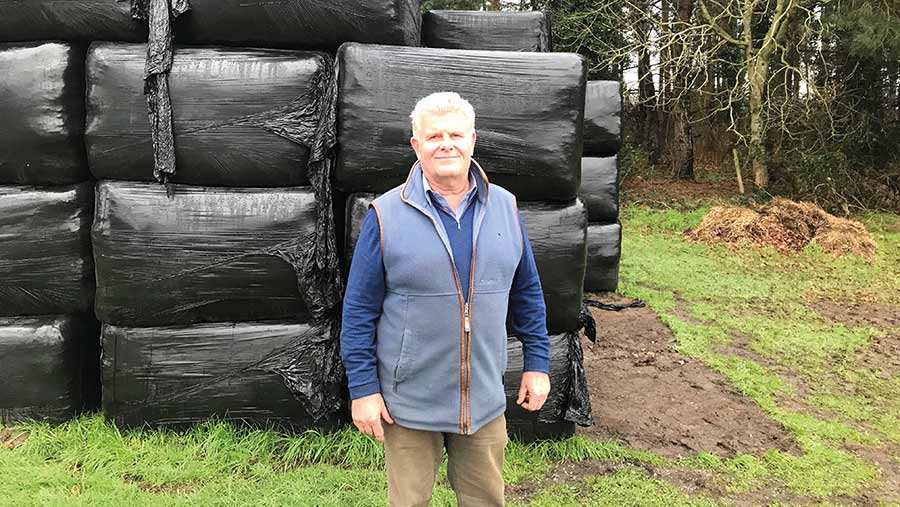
{"x":440,"y":263}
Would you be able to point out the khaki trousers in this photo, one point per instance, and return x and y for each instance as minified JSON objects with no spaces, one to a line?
{"x":474,"y":464}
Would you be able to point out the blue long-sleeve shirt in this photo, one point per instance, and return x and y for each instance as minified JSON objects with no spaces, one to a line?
{"x":366,"y":289}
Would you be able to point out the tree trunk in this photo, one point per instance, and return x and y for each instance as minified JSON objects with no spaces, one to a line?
{"x":757,"y":73}
{"x":682,"y":147}
{"x":662,"y":115}
{"x":647,"y":133}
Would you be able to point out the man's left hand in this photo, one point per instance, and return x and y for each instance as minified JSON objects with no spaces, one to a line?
{"x":534,"y":390}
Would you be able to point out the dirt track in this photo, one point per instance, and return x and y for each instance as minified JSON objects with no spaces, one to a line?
{"x":652,"y":398}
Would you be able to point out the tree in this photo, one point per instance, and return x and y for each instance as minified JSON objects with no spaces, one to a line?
{"x":683,"y":141}
{"x":758,"y":52}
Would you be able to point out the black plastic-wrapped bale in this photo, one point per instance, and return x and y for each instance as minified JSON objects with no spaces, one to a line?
{"x":483,"y":30}
{"x":568,"y":401}
{"x":600,"y":188}
{"x":604,"y":246}
{"x":264,"y":373}
{"x":70,"y":20}
{"x":46,"y":264}
{"x":529,"y":109}
{"x":602,"y":118}
{"x":42,"y":365}
{"x":557,"y":236}
{"x":202,"y":255}
{"x":307,"y":24}
{"x":230,"y":108}
{"x":42,"y":112}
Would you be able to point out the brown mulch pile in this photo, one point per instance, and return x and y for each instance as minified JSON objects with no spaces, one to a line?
{"x":786,"y":226}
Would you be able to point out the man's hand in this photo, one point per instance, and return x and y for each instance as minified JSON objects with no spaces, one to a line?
{"x":534,"y":390}
{"x":368,"y":412}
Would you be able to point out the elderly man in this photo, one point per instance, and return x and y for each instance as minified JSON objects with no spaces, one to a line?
{"x":440,"y":263}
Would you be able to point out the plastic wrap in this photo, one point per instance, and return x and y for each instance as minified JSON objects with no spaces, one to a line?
{"x":600,"y":188}
{"x":557,"y":236}
{"x":604,"y":247}
{"x":484,"y":30}
{"x":159,"y":15}
{"x":204,"y":255}
{"x":233,"y":112}
{"x":602,"y":118}
{"x":264,"y":373}
{"x":356,"y":210}
{"x":42,"y":112}
{"x":42,"y":363}
{"x":71,"y":20}
{"x":46,"y":265}
{"x":306,"y":24}
{"x":568,"y":403}
{"x":529,"y":109}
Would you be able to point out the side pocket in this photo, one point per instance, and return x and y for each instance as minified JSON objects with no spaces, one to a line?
{"x":401,"y":367}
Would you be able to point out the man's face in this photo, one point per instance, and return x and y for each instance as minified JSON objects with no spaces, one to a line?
{"x":444,"y":145}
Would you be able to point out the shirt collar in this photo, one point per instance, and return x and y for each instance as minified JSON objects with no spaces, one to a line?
{"x":473,"y":185}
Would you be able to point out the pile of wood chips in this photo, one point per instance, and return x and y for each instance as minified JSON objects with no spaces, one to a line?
{"x":786,"y":226}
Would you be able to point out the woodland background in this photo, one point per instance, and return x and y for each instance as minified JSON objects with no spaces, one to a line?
{"x":801,"y":96}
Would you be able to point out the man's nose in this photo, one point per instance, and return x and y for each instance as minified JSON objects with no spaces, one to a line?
{"x":445,"y":142}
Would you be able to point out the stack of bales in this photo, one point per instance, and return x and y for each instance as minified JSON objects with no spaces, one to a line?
{"x":529,"y":121}
{"x":49,"y":344}
{"x":214,"y":289}
{"x":600,"y":183}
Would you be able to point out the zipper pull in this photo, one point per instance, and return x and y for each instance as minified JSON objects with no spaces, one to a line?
{"x":466,"y":318}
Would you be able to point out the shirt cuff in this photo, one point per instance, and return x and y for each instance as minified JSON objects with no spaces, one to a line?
{"x":364,"y":390}
{"x":539,"y":364}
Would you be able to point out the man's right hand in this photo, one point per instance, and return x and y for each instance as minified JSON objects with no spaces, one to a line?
{"x":368,"y":412}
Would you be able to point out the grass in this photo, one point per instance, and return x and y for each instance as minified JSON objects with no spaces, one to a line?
{"x":744,"y":312}
{"x":758,"y":301}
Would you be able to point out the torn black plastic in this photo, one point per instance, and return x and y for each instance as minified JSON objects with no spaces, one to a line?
{"x":43,"y":361}
{"x":569,"y":400}
{"x":279,"y":374}
{"x":205,"y":254}
{"x":486,"y":30}
{"x":46,"y":262}
{"x":42,"y":111}
{"x":602,"y":118}
{"x":604,"y":249}
{"x":600,"y":188}
{"x":529,"y":115}
{"x":159,"y":15}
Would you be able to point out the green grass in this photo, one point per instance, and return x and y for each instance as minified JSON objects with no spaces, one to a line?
{"x":744,"y":312}
{"x":758,"y":300}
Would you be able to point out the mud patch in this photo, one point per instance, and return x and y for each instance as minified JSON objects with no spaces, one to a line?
{"x":565,"y":472}
{"x":652,"y":398}
{"x":853,"y":314}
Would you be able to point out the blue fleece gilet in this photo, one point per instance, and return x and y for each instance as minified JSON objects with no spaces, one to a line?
{"x":436,"y":374}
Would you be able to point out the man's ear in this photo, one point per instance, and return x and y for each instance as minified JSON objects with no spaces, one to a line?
{"x":414,"y":143}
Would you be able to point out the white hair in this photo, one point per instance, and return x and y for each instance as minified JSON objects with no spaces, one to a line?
{"x":441,"y":103}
